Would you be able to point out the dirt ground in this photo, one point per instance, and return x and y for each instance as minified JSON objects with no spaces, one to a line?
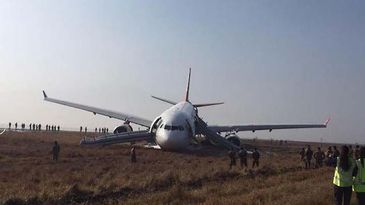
{"x":104,"y":175}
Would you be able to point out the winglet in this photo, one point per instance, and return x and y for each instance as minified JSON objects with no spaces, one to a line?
{"x":44,"y":94}
{"x":327,"y":121}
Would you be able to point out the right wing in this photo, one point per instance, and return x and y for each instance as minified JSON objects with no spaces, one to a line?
{"x":108,"y":113}
{"x":119,"y":138}
{"x":253,"y":128}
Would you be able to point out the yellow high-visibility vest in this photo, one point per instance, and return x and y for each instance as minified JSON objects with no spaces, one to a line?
{"x":359,"y":180}
{"x":343,"y":178}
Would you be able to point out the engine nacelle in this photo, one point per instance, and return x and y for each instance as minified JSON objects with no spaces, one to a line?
{"x":123,"y":128}
{"x":234,"y":139}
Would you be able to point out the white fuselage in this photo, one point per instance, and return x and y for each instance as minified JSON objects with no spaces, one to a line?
{"x":175,"y":128}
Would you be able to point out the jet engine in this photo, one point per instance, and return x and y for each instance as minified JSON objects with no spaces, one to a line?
{"x":233,"y":138}
{"x":123,"y":128}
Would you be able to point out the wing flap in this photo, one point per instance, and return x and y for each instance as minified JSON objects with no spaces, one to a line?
{"x":118,"y":138}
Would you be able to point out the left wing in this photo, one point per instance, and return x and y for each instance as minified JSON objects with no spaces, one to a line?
{"x":100,"y":111}
{"x":119,"y":138}
{"x":253,"y":128}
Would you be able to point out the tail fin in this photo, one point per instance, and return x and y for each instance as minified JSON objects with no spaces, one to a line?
{"x":188,"y":87}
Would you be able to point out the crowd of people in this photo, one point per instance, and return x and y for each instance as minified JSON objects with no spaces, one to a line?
{"x":349,"y":173}
{"x":34,"y":127}
{"x":321,"y":158}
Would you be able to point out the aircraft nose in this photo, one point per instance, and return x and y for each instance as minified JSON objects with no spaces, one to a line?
{"x":172,"y":140}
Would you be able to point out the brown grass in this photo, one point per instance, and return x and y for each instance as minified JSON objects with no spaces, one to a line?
{"x":104,"y":175}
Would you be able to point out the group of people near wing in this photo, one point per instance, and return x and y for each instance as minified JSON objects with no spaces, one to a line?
{"x":100,"y":130}
{"x":349,"y":173}
{"x":35,"y":127}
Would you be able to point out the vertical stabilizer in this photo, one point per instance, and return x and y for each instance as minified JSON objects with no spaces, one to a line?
{"x":188,"y":87}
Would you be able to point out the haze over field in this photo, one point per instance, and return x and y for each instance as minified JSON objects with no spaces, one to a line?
{"x":269,"y":61}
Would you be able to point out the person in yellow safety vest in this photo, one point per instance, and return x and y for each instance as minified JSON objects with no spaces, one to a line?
{"x":342,"y":179}
{"x":359,"y":181}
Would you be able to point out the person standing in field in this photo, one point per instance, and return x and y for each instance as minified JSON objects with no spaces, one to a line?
{"x":308,"y":157}
{"x":232,"y":157}
{"x":302,"y":155}
{"x":359,"y":181}
{"x":133,"y":155}
{"x":329,"y":156}
{"x":357,"y":152}
{"x":342,"y":180}
{"x":351,"y":151}
{"x":256,"y":158}
{"x":243,"y":157}
{"x":319,"y":156}
{"x":9,"y":125}
{"x":56,"y":150}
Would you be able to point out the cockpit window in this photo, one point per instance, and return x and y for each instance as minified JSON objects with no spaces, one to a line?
{"x":170,"y":127}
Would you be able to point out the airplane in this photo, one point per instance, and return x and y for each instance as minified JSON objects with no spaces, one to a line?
{"x":176,"y":128}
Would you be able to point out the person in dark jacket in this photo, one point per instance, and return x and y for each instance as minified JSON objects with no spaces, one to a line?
{"x":242,"y":154}
{"x":232,"y":157}
{"x":256,"y":158}
{"x":56,"y":151}
{"x":133,"y":155}
{"x":308,"y":157}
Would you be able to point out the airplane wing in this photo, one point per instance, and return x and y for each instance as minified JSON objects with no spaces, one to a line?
{"x":119,"y":138}
{"x":253,"y":128}
{"x":108,"y":113}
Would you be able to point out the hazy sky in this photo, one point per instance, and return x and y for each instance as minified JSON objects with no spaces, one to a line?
{"x":269,"y":61}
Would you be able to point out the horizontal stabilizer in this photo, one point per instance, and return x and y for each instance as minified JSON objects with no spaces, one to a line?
{"x":207,"y":104}
{"x":164,"y":100}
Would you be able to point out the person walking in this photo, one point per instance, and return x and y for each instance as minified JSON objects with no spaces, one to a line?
{"x":16,"y":125}
{"x":256,"y":158}
{"x":9,"y":125}
{"x":56,"y":150}
{"x":308,"y":157}
{"x":359,"y":181}
{"x":232,"y":157}
{"x":342,"y":179}
{"x":133,"y":155}
{"x":242,"y":154}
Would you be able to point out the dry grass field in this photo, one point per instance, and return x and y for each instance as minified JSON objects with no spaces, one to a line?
{"x":104,"y":175}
